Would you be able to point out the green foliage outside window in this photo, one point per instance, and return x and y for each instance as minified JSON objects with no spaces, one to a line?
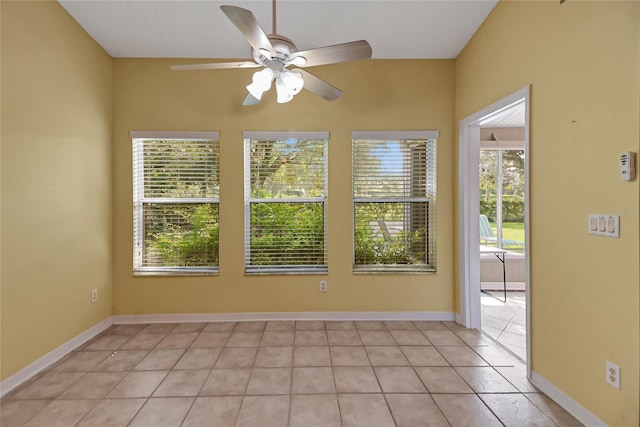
{"x":512,"y":208}
{"x":384,"y":234}
{"x":185,"y":235}
{"x":287,"y":234}
{"x":370,"y":250}
{"x":513,"y":185}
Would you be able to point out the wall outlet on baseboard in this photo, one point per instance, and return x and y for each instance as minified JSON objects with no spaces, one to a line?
{"x":94,"y":296}
{"x":613,"y":374}
{"x":323,"y":286}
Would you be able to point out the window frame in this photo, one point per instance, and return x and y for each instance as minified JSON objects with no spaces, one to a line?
{"x":429,"y":199}
{"x":250,"y":269}
{"x":139,"y":200}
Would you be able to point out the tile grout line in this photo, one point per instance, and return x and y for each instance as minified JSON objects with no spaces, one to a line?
{"x":253,"y":364}
{"x":519,"y":392}
{"x":205,"y":380}
{"x":333,"y":374}
{"x":291,"y":379}
{"x":422,"y":381}
{"x":475,"y":393}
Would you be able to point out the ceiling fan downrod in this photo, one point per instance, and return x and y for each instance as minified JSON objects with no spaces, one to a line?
{"x":274,"y":29}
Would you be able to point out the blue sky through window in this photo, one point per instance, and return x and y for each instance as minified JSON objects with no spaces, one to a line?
{"x":390,"y":156}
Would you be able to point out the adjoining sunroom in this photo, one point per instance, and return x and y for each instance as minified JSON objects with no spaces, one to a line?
{"x":502,"y":235}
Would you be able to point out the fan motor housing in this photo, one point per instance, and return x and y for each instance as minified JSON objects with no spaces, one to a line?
{"x":283,"y":47}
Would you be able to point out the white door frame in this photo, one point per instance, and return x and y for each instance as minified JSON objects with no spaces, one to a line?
{"x":469,"y":206}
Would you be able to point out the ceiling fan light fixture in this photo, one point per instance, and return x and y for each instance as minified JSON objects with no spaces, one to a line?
{"x":284,"y":93}
{"x":299,"y":61}
{"x":293,"y":81}
{"x":261,"y":82}
{"x":288,"y":84}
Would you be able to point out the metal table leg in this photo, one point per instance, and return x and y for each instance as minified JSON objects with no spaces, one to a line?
{"x":504,"y":275}
{"x":504,"y":279}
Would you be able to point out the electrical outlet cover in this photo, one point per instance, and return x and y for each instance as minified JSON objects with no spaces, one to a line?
{"x":613,"y":374}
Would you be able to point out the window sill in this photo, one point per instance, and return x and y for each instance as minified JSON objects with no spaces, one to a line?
{"x":392,"y":270}
{"x":175,"y":272}
{"x":285,"y":271}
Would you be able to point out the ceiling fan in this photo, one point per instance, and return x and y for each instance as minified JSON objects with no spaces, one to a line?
{"x":274,"y":53}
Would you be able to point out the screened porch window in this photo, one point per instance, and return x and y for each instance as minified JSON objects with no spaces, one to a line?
{"x":502,"y":182}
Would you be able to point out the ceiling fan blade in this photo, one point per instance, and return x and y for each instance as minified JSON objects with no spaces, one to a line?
{"x":214,"y":66}
{"x":248,"y":25}
{"x":250,"y":100}
{"x":319,"y":87}
{"x":351,"y":51}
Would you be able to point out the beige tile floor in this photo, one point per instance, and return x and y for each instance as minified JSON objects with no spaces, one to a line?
{"x":506,"y":322}
{"x":263,"y":374}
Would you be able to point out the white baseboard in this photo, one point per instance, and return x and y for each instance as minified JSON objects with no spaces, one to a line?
{"x":32,"y":369}
{"x":567,"y":402}
{"x":317,"y":315}
{"x":458,"y":319}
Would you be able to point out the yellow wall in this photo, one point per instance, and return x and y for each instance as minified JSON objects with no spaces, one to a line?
{"x":56,"y":181}
{"x":380,"y":95}
{"x":582,"y":60}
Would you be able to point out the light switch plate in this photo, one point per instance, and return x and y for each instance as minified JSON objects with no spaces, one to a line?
{"x":604,"y":225}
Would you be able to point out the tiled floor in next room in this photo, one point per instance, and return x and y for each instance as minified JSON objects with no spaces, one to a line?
{"x":506,"y":322}
{"x":263,"y":374}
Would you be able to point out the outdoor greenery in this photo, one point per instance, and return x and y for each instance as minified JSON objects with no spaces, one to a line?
{"x":513,"y":185}
{"x":377,"y":241}
{"x":398,"y":250}
{"x":287,"y":234}
{"x":511,"y":230}
{"x":512,"y":194}
{"x":512,"y":208}
{"x":182,"y":235}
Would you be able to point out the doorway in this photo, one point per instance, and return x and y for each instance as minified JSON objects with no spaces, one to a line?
{"x":502,"y":232}
{"x":513,"y":112}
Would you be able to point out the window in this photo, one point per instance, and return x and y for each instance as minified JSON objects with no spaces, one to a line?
{"x":285,"y":198}
{"x":502,"y":181}
{"x":394,"y":194}
{"x":175,"y":202}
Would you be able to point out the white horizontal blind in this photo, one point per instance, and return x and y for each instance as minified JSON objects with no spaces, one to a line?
{"x":285,"y":198}
{"x":394,"y":194}
{"x":176,"y":203}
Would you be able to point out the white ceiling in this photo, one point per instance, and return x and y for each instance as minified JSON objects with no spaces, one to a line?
{"x":511,"y":117}
{"x":396,"y":29}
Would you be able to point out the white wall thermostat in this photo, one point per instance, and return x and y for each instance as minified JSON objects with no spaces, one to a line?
{"x":628,"y":166}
